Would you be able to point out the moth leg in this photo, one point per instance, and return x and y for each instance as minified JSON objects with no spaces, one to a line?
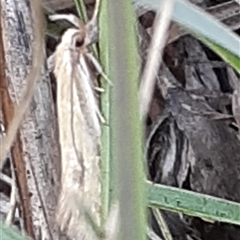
{"x":51,"y":62}
{"x":102,"y":119}
{"x":214,"y":115}
{"x":2,"y":129}
{"x":98,"y":67}
{"x":99,"y":89}
{"x":69,"y":17}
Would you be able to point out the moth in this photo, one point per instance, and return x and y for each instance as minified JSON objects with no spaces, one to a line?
{"x":79,"y":123}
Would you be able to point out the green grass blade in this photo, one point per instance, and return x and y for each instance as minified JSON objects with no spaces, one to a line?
{"x":192,"y":17}
{"x":55,"y":30}
{"x":126,"y":126}
{"x":81,"y":8}
{"x":228,"y":57}
{"x":194,"y":204}
{"x":7,"y":233}
{"x":105,"y":108}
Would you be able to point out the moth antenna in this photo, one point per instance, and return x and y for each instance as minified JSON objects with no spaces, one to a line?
{"x":98,"y":67}
{"x":96,"y":11}
{"x":91,"y":26}
{"x":69,"y":17}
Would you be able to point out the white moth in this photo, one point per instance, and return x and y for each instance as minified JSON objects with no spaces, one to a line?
{"x":79,"y":131}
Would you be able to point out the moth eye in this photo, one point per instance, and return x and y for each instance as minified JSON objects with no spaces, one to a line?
{"x":79,"y":43}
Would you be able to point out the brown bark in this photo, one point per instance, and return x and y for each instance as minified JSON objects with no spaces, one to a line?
{"x":35,"y":152}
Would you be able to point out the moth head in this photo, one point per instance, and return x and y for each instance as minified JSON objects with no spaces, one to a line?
{"x":87,"y":33}
{"x":73,"y":38}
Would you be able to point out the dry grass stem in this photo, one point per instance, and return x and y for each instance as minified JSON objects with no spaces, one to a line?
{"x":159,"y":39}
{"x":13,"y":199}
{"x":152,"y":235}
{"x":162,"y":224}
